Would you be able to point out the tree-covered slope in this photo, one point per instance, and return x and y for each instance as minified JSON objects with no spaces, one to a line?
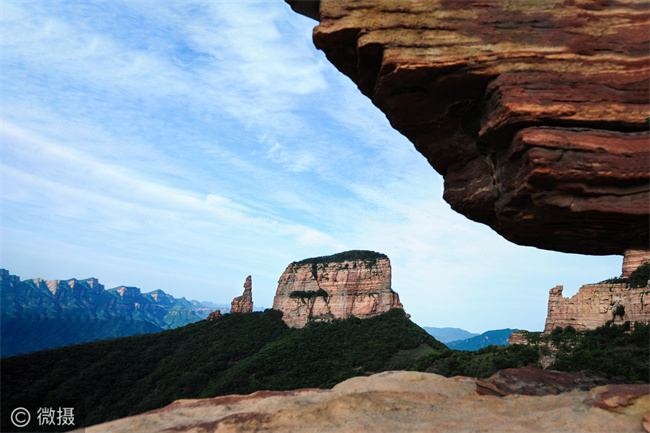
{"x":239,"y":353}
{"x":610,"y":350}
{"x":33,"y":333}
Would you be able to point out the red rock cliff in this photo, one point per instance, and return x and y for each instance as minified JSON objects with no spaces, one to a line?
{"x":244,"y":303}
{"x":535,"y":112}
{"x":354,"y":283}
{"x":595,"y":304}
{"x":633,"y":259}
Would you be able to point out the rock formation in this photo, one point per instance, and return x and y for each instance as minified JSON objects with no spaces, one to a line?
{"x":353,"y":283}
{"x":517,"y":337}
{"x":215,"y":315}
{"x":535,"y":113}
{"x":244,"y":303}
{"x":408,"y":401}
{"x":595,"y":304}
{"x":633,"y":259}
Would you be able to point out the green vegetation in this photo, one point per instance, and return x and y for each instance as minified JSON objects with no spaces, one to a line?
{"x":619,"y":311}
{"x":32,"y":333}
{"x":309,"y":295}
{"x":640,"y":276}
{"x":610,"y":350}
{"x":238,"y":354}
{"x":369,"y":257}
{"x":243,"y":353}
{"x":482,"y":363}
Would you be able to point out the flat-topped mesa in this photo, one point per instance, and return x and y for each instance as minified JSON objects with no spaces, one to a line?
{"x":535,"y":112}
{"x":353,"y":283}
{"x":617,"y":300}
{"x":244,"y":303}
{"x":596,"y":304}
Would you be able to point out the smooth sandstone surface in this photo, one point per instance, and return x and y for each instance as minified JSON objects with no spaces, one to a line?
{"x":396,"y":402}
{"x":535,"y":112}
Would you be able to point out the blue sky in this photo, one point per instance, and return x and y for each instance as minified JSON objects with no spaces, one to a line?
{"x":185,"y":145}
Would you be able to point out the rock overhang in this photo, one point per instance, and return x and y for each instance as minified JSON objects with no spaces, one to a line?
{"x":535,"y":113}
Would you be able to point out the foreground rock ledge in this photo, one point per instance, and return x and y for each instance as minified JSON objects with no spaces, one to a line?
{"x":395,"y":401}
{"x":535,"y":112}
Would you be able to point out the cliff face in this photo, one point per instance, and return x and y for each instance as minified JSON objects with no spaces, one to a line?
{"x":534,"y":112}
{"x":595,"y":304}
{"x":633,"y":259}
{"x":244,"y":303}
{"x":335,"y":287}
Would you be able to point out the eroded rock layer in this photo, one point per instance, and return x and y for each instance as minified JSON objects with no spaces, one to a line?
{"x":244,"y":303}
{"x":535,"y":112}
{"x":595,"y":304}
{"x":398,"y":401}
{"x":354,"y":283}
{"x":633,"y":259}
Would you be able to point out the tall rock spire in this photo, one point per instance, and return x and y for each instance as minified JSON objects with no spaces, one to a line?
{"x":244,"y":303}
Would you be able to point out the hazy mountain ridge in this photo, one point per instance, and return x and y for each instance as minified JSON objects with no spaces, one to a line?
{"x":446,"y":335}
{"x":460,"y":339}
{"x":497,"y":337}
{"x":48,"y":310}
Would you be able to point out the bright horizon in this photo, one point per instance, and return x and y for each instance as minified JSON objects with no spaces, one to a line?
{"x":183,"y":146}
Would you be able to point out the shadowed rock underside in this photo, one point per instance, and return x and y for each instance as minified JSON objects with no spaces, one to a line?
{"x":535,"y":112}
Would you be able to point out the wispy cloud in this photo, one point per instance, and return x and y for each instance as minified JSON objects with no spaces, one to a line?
{"x":184,"y":145}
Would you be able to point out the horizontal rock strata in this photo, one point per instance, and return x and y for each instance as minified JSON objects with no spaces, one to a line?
{"x":633,"y":259}
{"x":335,"y":287}
{"x":535,"y":113}
{"x":595,"y":304}
{"x":397,"y":401}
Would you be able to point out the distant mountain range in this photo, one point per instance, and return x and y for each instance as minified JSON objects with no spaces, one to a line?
{"x":446,"y":335}
{"x":459,"y":339}
{"x":37,"y":314}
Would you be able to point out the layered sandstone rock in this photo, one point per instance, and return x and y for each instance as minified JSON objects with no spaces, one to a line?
{"x":517,"y":337}
{"x":538,"y":382}
{"x":354,"y":283}
{"x":403,"y":401}
{"x":595,"y":304}
{"x":244,"y":303}
{"x":633,"y":259}
{"x":535,"y":112}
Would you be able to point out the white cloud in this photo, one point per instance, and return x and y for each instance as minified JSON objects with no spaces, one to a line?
{"x":184,"y":145}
